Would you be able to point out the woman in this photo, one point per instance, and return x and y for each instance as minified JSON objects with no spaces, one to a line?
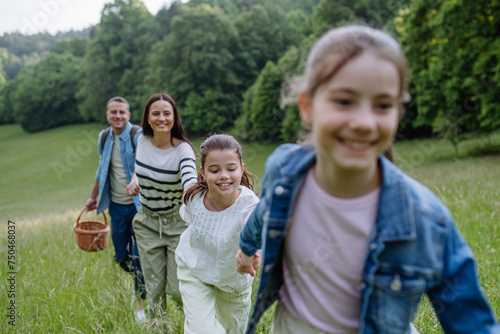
{"x":165,"y":167}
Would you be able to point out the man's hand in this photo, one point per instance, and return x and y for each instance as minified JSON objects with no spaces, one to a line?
{"x":91,"y":204}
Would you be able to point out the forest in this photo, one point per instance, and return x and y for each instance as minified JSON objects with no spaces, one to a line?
{"x":227,"y":62}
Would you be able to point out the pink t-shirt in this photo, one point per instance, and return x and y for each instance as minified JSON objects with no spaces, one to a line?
{"x":325,"y":252}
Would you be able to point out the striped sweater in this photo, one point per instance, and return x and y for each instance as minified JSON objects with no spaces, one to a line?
{"x":163,"y":174}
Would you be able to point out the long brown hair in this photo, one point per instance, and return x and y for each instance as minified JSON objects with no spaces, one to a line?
{"x":177,"y":129}
{"x":216,"y":142}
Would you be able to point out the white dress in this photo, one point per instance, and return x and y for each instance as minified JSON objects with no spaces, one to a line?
{"x":209,"y":245}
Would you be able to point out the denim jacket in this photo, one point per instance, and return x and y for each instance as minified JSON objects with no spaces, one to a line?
{"x":128,"y":158}
{"x":415,"y":248}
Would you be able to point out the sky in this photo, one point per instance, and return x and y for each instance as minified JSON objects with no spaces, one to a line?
{"x":34,"y":16}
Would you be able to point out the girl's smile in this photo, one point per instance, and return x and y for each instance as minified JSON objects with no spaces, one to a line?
{"x":354,"y":116}
{"x":222,"y":171}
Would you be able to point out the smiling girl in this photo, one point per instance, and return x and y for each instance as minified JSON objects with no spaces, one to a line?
{"x":216,"y":298}
{"x":350,"y":243}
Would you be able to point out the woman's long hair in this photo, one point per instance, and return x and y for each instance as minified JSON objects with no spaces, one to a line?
{"x":177,"y":128}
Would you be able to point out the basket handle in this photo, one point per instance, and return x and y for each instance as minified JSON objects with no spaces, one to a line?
{"x":85,"y":210}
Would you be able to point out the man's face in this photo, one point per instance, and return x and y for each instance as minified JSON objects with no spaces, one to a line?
{"x":118,"y":115}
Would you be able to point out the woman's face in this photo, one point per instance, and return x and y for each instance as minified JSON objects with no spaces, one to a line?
{"x":161,"y":116}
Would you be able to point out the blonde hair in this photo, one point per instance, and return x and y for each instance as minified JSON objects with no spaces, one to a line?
{"x":338,"y":46}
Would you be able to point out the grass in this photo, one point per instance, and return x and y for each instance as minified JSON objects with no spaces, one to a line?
{"x":47,"y":177}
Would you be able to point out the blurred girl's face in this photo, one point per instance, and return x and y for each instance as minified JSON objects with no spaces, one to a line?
{"x":161,"y":116}
{"x":354,"y":116}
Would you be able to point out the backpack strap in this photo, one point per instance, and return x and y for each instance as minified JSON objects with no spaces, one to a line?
{"x":104,"y":137}
{"x":132,"y":135}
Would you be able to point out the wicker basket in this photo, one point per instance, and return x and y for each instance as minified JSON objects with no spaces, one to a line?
{"x":91,"y":235}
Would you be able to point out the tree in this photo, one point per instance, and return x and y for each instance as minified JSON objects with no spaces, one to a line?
{"x":196,"y":62}
{"x":452,"y":48}
{"x":165,"y":15}
{"x":209,"y":111}
{"x":229,"y":7}
{"x":300,"y":23}
{"x":115,"y":62}
{"x":376,"y":13}
{"x":45,"y":98}
{"x":265,"y":113}
{"x":265,"y":33}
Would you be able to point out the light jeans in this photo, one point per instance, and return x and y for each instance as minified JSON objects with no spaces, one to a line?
{"x":157,"y":238}
{"x":208,"y":309}
{"x":285,"y":323}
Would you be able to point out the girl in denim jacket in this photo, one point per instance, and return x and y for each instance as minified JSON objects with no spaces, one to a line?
{"x":349,"y":242}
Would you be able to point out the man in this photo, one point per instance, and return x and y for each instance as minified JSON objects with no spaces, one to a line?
{"x":116,"y":167}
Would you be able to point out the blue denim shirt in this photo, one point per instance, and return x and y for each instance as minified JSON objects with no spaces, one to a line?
{"x":415,"y":248}
{"x":128,"y":157}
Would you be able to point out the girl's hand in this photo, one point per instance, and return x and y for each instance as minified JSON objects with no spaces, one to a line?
{"x":247,"y":264}
{"x":257,"y":260}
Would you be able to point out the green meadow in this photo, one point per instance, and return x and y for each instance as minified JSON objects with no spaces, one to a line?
{"x":58,"y":288}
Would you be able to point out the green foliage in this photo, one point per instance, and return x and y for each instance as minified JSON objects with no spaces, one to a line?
{"x":265,"y":33}
{"x":300,"y":22}
{"x":376,"y":13}
{"x":23,"y":50}
{"x":115,"y":62}
{"x":7,"y":95}
{"x":76,"y":46}
{"x":165,"y":15}
{"x":212,"y":111}
{"x":10,"y":63}
{"x":292,"y":65}
{"x":24,"y":45}
{"x":229,"y":7}
{"x":289,"y":5}
{"x":456,"y":76}
{"x":265,"y":113}
{"x":291,"y":124}
{"x":196,"y":64}
{"x":46,"y":98}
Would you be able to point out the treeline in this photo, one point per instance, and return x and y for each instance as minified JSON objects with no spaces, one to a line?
{"x":18,"y":50}
{"x":226,"y":61}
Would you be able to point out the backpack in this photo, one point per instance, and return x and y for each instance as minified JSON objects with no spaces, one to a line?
{"x":132,"y":135}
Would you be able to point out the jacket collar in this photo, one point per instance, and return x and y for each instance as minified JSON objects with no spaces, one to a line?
{"x":395,"y":217}
{"x":298,"y":164}
{"x":125,"y":132}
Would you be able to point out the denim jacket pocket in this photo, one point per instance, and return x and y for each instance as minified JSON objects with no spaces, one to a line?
{"x":394,"y":301}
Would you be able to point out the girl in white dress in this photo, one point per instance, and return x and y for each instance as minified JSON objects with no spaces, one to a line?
{"x":216,"y":298}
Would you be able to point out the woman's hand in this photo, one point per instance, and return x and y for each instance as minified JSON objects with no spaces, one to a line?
{"x":248,"y":264}
{"x":133,"y":188}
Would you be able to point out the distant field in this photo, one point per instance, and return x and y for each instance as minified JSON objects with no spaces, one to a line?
{"x":47,"y":177}
{"x":53,"y":171}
